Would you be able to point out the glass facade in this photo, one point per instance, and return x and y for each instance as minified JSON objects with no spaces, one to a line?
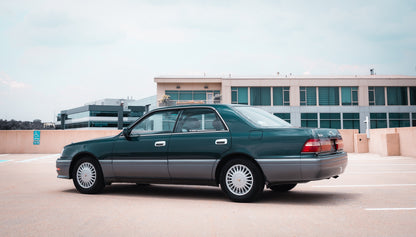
{"x":260,"y":96}
{"x":413,"y":119}
{"x":349,"y":95}
{"x":376,"y":95}
{"x":239,"y":95}
{"x":284,"y":116}
{"x":378,"y":120}
{"x":281,"y":96}
{"x":397,"y":95}
{"x":330,"y":120}
{"x":328,"y":95}
{"x":189,"y":95}
{"x":351,"y":120}
{"x":309,"y":120}
{"x":308,"y":96}
{"x":412,"y":95}
{"x":397,"y":120}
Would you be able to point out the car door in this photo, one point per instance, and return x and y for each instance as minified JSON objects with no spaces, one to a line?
{"x":143,"y":153}
{"x":199,"y":140}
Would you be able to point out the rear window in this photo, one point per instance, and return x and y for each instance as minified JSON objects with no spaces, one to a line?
{"x":261,"y":118}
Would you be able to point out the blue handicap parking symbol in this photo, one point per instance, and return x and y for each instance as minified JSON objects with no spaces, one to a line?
{"x":36,"y":137}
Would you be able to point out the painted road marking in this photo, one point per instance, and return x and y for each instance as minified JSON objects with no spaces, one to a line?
{"x":4,"y":154}
{"x":1,"y":161}
{"x":384,"y":172}
{"x":391,"y":209}
{"x":364,"y":186}
{"x":354,"y":165}
{"x":39,"y":158}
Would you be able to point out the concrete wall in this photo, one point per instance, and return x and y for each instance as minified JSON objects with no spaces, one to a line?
{"x":348,"y":138}
{"x":51,"y":141}
{"x":389,"y":141}
{"x":393,"y":141}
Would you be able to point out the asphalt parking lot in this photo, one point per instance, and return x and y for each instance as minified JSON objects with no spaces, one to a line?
{"x":376,"y":196}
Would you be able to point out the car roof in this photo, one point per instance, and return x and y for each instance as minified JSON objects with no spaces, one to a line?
{"x":216,"y":106}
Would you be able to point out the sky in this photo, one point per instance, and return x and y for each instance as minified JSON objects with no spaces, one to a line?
{"x":57,"y":55}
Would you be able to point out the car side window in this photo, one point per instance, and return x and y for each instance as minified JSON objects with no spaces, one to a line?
{"x":159,"y":122}
{"x":199,"y":120}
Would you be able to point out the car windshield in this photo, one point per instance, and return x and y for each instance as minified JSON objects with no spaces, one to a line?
{"x":262,"y":118}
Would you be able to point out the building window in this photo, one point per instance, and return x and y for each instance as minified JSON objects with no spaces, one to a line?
{"x":376,"y":95}
{"x":281,"y":96}
{"x":103,"y":124}
{"x":351,"y":120}
{"x":397,"y":95}
{"x":309,"y":120}
{"x":308,"y":96}
{"x":397,"y":120}
{"x":192,"y":96}
{"x":104,"y":113}
{"x":330,"y":120}
{"x":328,"y":95}
{"x":284,"y":116}
{"x":413,"y":119}
{"x":349,"y":95}
{"x":260,"y":96}
{"x":239,"y":95}
{"x":412,"y":95}
{"x":378,"y":120}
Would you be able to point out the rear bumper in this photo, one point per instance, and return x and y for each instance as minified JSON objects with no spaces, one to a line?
{"x":62,"y":168}
{"x":324,"y":166}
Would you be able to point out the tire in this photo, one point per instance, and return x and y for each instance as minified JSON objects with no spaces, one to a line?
{"x":241,"y":180}
{"x":87,"y":176}
{"x":282,"y":187}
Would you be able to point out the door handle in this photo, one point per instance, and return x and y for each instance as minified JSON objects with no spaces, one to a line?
{"x":160,"y":143}
{"x":221,"y":141}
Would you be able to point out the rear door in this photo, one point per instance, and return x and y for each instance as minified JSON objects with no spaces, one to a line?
{"x":199,"y":140}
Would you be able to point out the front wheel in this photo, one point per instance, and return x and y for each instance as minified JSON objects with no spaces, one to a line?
{"x":87,"y":176}
{"x":241,"y":180}
{"x":282,"y":187}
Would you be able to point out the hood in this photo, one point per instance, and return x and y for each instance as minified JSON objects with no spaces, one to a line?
{"x":95,"y":140}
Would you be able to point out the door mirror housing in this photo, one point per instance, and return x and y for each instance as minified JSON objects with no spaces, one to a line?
{"x":126,"y":133}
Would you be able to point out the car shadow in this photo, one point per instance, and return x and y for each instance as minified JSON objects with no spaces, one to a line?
{"x":308,"y":197}
{"x":296,"y":197}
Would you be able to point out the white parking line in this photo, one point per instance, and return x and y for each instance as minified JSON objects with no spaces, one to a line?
{"x":383,"y":164}
{"x":384,"y":172}
{"x":4,"y":154}
{"x":364,"y":186}
{"x":391,"y":209}
{"x":39,"y":158}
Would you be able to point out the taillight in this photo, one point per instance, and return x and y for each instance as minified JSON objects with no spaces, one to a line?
{"x":339,"y":144}
{"x":326,"y":145}
{"x":312,"y":145}
{"x":321,"y":145}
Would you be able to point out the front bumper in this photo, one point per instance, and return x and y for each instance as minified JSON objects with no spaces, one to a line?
{"x":62,"y":168}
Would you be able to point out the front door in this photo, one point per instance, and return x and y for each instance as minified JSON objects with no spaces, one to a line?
{"x":143,"y":154}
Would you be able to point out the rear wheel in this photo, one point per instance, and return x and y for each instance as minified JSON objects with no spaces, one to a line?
{"x":87,"y":176}
{"x":282,"y":187}
{"x":241,"y":180}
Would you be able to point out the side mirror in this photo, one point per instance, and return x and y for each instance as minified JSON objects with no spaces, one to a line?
{"x":126,"y":134}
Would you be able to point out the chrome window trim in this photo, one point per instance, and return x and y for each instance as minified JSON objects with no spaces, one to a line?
{"x":181,"y":108}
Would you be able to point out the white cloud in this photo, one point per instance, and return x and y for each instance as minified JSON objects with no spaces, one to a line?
{"x":6,"y":80}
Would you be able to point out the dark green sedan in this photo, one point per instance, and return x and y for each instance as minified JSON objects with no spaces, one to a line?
{"x":240,"y":148}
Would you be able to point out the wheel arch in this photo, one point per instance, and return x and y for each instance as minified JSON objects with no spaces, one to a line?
{"x":229,"y":157}
{"x":79,"y":156}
